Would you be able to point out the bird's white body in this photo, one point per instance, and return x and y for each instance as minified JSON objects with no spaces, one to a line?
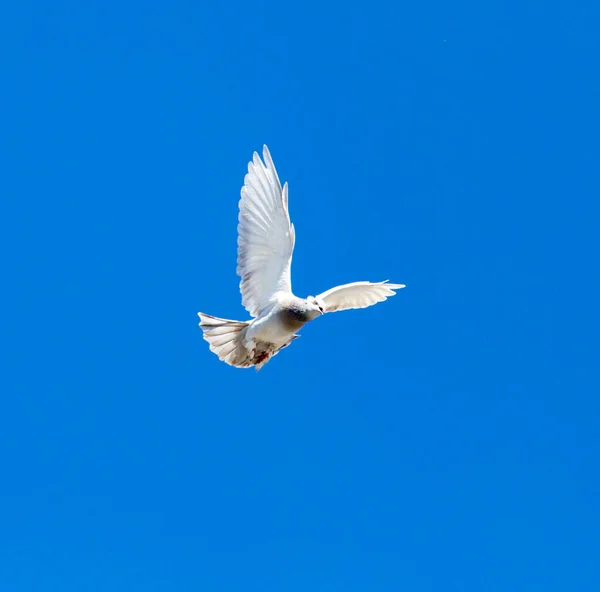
{"x":269,"y":327}
{"x":265,"y":246}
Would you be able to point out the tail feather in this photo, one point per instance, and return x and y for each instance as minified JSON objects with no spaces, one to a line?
{"x":226,"y":339}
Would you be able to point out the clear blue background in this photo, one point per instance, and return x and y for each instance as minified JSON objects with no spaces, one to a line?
{"x":444,"y":440}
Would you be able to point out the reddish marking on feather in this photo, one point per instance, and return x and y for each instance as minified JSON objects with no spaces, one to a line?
{"x":262,"y":358}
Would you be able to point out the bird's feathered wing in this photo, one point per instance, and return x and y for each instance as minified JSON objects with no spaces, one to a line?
{"x":357,"y":295}
{"x":265,"y":236}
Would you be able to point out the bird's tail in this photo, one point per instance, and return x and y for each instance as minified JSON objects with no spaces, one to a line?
{"x":226,"y":339}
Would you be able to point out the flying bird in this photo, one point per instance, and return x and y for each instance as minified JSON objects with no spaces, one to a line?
{"x":266,"y":240}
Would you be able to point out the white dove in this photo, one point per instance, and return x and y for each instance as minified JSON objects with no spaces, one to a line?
{"x":265,"y":246}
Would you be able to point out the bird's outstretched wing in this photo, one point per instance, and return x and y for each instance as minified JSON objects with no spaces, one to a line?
{"x":265,"y":236}
{"x":357,"y":295}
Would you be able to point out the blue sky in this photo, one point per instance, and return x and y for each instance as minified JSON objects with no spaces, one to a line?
{"x":444,"y":440}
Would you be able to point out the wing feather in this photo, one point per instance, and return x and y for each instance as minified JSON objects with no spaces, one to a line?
{"x":265,"y":236}
{"x":357,"y":295}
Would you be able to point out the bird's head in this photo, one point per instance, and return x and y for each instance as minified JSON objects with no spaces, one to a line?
{"x":316,"y":305}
